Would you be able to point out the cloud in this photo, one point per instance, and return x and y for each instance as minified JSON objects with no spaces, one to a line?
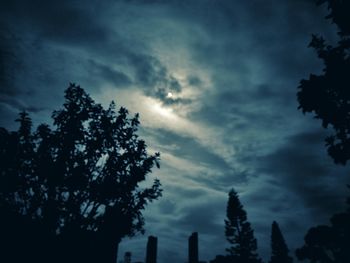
{"x":64,"y":21}
{"x":303,"y":166}
{"x":155,"y":79}
{"x":78,"y":49}
{"x":108,"y":74}
{"x":9,"y":61}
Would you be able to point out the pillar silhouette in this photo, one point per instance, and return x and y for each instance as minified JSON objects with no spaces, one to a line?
{"x":151,"y":253}
{"x":127,"y":257}
{"x":193,"y":248}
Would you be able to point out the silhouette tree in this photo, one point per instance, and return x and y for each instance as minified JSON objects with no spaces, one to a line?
{"x":80,"y":180}
{"x":278,"y":246}
{"x":328,"y":243}
{"x":239,"y":232}
{"x":221,"y":259}
{"x":328,"y":95}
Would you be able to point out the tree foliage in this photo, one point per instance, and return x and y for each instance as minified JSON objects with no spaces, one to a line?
{"x":327,"y":95}
{"x":328,"y":243}
{"x":82,"y":174}
{"x":239,"y":233}
{"x":278,"y":246}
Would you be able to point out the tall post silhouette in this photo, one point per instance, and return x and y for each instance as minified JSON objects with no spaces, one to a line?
{"x":151,"y":253}
{"x":127,"y":257}
{"x":193,"y":248}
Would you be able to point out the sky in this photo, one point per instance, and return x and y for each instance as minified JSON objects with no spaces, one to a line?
{"x":215,"y":84}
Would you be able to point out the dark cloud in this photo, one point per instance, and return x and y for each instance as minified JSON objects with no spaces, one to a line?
{"x":9,"y":62}
{"x":64,"y":36}
{"x":106,"y":73}
{"x":303,"y":166}
{"x":65,"y":21}
{"x":19,"y":105}
{"x":155,"y":79}
{"x":203,"y":218}
{"x":194,"y":81}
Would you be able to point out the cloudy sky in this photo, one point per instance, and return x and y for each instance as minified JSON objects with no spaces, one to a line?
{"x":215,"y":84}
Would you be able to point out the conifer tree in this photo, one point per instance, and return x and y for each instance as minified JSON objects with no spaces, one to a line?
{"x":278,"y":246}
{"x":239,"y":233}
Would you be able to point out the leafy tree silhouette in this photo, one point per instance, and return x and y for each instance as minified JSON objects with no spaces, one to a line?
{"x":328,"y":95}
{"x":328,"y":243}
{"x":239,"y":232}
{"x":278,"y":246}
{"x":75,"y":187}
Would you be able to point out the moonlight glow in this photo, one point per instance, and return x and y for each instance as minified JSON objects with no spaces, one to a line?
{"x":161,"y":110}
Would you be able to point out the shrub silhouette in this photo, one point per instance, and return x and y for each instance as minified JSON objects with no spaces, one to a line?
{"x":70,"y":193}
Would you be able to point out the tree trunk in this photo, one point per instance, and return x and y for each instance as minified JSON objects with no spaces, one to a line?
{"x":107,"y":252}
{"x":115,"y":253}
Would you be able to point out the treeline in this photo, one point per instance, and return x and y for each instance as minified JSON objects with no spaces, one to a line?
{"x":323,"y":244}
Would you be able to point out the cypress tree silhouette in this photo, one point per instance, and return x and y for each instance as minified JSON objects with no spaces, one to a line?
{"x":278,"y":246}
{"x":73,"y":191}
{"x":239,"y":233}
{"x":328,"y":95}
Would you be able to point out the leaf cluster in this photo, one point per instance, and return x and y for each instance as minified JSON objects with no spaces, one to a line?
{"x":327,"y":95}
